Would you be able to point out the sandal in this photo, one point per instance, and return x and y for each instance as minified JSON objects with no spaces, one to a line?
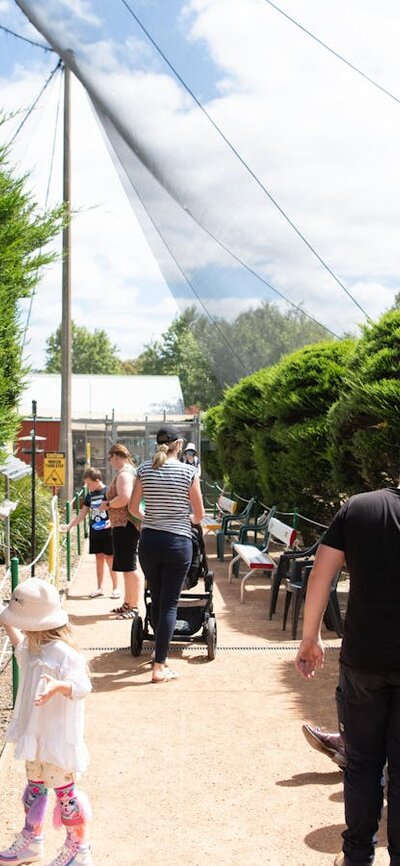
{"x":128,"y":613}
{"x":121,"y":609}
{"x":165,"y":676}
{"x":97,"y":593}
{"x":115,"y":594}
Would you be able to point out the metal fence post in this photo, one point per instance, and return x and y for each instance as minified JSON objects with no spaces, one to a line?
{"x":78,"y":528}
{"x":215,"y":495}
{"x":52,"y":551}
{"x":15,"y":670}
{"x":85,"y":521}
{"x":68,"y":542}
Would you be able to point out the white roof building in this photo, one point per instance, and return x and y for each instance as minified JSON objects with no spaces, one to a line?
{"x":126,"y":398}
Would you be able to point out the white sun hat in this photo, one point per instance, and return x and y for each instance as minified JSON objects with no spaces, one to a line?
{"x":34,"y":606}
{"x":190,"y":447}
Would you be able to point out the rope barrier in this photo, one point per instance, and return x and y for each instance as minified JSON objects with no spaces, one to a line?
{"x":284,"y":513}
{"x":308,"y":520}
{"x":45,"y":546}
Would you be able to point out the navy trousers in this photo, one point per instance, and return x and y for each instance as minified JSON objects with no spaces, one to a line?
{"x":165,"y":558}
{"x":371,"y":719}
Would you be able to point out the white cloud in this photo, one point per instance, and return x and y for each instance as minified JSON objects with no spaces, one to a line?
{"x":320,"y":139}
{"x":83,"y":9}
{"x":114,"y":275}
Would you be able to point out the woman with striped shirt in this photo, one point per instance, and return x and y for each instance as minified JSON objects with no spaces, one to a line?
{"x":173,"y":501}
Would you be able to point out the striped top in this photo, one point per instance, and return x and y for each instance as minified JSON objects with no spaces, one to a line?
{"x":166,"y":496}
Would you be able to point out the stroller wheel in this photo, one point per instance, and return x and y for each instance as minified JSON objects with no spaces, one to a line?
{"x":211,"y":637}
{"x":137,"y":636}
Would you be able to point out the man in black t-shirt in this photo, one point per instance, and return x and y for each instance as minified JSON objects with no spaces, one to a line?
{"x":366,"y":534}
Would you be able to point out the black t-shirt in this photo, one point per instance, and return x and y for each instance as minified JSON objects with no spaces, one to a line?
{"x":367,"y":529}
{"x":99,"y":520}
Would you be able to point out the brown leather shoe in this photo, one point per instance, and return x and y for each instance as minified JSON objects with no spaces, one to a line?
{"x":329,"y":744}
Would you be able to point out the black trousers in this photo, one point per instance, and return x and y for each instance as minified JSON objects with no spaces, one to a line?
{"x":371,"y":718}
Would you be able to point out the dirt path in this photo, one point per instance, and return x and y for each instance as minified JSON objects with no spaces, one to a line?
{"x":212,"y":768}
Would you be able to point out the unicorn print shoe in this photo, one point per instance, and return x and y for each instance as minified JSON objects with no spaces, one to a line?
{"x":73,"y":854}
{"x":27,"y":848}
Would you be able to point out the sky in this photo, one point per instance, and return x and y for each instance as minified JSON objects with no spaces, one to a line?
{"x":281,"y":136}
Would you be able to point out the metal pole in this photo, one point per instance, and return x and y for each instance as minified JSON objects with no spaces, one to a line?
{"x":33,"y":487}
{"x":8,"y":528}
{"x":68,"y":542}
{"x":85,"y":520}
{"x":78,"y":528}
{"x":15,"y":671}
{"x":66,"y":326}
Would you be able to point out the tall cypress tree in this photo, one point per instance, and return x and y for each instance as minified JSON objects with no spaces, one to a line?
{"x":25,"y":233}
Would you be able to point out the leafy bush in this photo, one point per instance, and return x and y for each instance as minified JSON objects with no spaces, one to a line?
{"x":20,"y":519}
{"x":231,"y":425}
{"x":24,"y":235}
{"x":291,"y":445}
{"x":364,"y":424}
{"x":271,"y":430}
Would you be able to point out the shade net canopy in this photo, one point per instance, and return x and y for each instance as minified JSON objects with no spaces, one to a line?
{"x":245,"y":185}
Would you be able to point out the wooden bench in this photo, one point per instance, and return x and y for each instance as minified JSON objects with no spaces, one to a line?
{"x":259,"y":560}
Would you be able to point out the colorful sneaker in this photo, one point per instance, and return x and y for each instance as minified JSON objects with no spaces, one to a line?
{"x":27,"y":848}
{"x":73,"y":854}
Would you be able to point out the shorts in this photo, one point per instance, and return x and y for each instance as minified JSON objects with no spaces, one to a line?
{"x":100,"y":541}
{"x":125,"y":541}
{"x":50,"y":774}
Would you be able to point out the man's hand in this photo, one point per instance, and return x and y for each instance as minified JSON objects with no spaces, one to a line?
{"x":310,"y":657}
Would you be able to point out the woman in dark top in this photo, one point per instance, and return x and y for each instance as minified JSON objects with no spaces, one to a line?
{"x":173,"y":501}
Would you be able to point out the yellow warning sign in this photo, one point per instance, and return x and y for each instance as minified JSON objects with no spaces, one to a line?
{"x":54,"y":468}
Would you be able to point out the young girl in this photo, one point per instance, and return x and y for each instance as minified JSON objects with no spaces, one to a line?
{"x":47,"y":723}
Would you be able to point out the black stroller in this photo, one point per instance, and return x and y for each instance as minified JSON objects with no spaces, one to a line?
{"x":195,"y":611}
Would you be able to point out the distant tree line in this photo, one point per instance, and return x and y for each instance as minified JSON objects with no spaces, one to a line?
{"x":207,"y":356}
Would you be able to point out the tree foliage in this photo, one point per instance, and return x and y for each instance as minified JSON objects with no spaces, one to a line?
{"x":178,"y":352}
{"x":209,"y":356}
{"x":24,"y":237}
{"x":21,"y":518}
{"x":271,"y":431}
{"x":364,"y":422}
{"x":92,"y":352}
{"x":255,"y":339}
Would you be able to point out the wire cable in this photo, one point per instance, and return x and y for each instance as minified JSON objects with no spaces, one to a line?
{"x":241,"y":262}
{"x":191,"y":286}
{"x":259,"y":277}
{"x":29,"y":41}
{"x":33,"y":295}
{"x":244,"y":163}
{"x":35,"y":102}
{"x":335,"y":53}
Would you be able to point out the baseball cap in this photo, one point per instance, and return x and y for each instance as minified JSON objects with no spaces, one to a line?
{"x":167,"y":434}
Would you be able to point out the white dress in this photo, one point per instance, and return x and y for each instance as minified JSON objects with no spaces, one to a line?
{"x":54,"y":731}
